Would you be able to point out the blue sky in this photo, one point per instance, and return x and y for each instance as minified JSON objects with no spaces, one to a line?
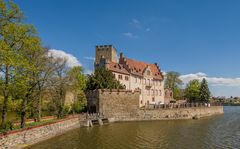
{"x":199,"y":38}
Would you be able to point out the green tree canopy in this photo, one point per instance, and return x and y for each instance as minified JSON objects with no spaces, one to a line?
{"x":17,"y":42}
{"x":103,"y":79}
{"x":204,"y":91}
{"x":77,"y":78}
{"x":173,"y":82}
{"x":77,"y":81}
{"x":192,"y":91}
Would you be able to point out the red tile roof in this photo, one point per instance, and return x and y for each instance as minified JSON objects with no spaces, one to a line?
{"x":130,"y":66}
{"x":116,"y":67}
{"x":138,"y":68}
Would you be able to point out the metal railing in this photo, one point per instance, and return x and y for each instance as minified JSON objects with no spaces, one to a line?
{"x":94,"y":116}
{"x":182,"y":105}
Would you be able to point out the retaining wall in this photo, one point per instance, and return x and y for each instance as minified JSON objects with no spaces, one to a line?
{"x":24,"y":137}
{"x":117,"y":105}
{"x":123,"y":105}
{"x":166,"y":114}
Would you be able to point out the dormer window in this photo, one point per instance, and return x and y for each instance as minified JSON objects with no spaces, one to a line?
{"x":148,"y":72}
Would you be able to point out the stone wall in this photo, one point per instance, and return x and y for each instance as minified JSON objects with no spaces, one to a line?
{"x":122,"y":105}
{"x":176,"y":113}
{"x":107,"y":52}
{"x":21,"y":138}
{"x":113,"y":103}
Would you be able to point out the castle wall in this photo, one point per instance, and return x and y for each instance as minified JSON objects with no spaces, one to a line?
{"x":107,"y":52}
{"x":175,"y":113}
{"x":113,"y":103}
{"x":123,"y":105}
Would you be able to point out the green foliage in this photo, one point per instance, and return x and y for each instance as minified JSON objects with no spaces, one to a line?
{"x":11,"y":41}
{"x":9,"y":13}
{"x":8,"y":126}
{"x":67,"y":110}
{"x":173,"y":82}
{"x":60,"y":83}
{"x":15,"y":105}
{"x":77,"y":78}
{"x":103,"y":79}
{"x":177,"y":93}
{"x":197,"y":92}
{"x":80,"y":103}
{"x":77,"y":84}
{"x":192,"y":91}
{"x":204,"y":91}
{"x":21,"y":55}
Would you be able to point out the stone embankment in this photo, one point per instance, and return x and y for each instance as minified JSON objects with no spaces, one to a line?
{"x":171,"y":114}
{"x":28,"y":136}
{"x":123,"y":105}
{"x":24,"y":137}
{"x":112,"y":106}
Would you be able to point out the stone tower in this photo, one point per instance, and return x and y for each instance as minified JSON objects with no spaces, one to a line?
{"x":107,"y":52}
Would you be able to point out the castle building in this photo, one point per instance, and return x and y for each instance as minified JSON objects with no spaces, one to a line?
{"x":134,"y":75}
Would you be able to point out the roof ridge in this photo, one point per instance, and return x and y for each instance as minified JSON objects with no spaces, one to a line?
{"x":139,"y":61}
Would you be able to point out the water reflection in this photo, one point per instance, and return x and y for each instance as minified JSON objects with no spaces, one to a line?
{"x":213,"y":132}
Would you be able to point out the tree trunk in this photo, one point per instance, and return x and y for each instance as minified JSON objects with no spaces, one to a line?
{"x":23,"y":112}
{"x":39,"y":103}
{"x":4,"y":110}
{"x":6,"y":96}
{"x":39,"y":108}
{"x":61,"y":103}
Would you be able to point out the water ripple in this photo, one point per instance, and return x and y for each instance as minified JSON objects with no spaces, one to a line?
{"x":218,"y":132}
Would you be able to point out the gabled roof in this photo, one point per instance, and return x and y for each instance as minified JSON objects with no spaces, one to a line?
{"x":138,"y":68}
{"x":116,"y":67}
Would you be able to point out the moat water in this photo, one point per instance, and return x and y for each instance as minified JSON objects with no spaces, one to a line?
{"x":216,"y":132}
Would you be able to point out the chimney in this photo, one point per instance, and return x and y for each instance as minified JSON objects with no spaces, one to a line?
{"x":121,"y":55}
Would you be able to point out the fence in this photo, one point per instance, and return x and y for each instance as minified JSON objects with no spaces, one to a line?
{"x":182,"y":105}
{"x":94,"y":116}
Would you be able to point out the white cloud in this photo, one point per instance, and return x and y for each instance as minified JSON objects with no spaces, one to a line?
{"x":136,"y":23}
{"x":139,"y":25}
{"x":130,"y":35}
{"x":214,"y":81}
{"x":164,"y":73}
{"x":71,"y":60}
{"x":89,"y":58}
{"x":148,"y":30}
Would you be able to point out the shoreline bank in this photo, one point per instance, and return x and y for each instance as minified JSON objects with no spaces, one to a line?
{"x":29,"y":136}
